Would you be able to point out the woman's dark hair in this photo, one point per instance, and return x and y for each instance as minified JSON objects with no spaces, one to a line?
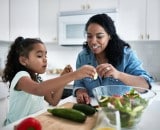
{"x":114,"y":50}
{"x":20,"y":47}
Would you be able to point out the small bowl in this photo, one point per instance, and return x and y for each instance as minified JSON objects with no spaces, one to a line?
{"x":130,"y":101}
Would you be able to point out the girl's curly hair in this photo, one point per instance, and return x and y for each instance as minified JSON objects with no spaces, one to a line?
{"x":20,"y":47}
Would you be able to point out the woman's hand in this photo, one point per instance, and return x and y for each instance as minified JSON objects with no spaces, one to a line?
{"x":66,"y":70}
{"x":107,"y":70}
{"x":82,"y":96}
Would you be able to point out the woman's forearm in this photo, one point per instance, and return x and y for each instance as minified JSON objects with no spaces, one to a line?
{"x":133,"y":80}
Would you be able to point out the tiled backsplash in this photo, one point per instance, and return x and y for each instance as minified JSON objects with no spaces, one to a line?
{"x":59,"y":56}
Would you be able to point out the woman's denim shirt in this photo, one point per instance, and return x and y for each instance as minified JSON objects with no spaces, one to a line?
{"x":130,"y":65}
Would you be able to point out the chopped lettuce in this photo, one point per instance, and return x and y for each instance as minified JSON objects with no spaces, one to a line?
{"x":130,"y":106}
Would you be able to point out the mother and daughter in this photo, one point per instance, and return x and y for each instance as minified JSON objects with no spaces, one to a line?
{"x":104,"y":53}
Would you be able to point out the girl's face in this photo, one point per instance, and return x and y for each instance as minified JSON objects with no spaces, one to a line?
{"x":97,"y":38}
{"x":37,"y":59}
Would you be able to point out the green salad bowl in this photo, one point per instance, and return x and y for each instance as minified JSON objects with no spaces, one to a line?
{"x":130,"y":101}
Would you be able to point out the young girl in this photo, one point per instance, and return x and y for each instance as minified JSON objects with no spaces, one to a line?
{"x":26,"y":59}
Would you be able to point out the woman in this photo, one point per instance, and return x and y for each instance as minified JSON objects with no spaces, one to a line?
{"x":113,"y":59}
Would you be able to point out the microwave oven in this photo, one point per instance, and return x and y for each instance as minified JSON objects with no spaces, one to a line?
{"x":71,"y":26}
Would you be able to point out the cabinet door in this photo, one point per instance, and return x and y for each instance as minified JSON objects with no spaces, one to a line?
{"x":101,"y":4}
{"x":87,"y":4}
{"x":131,"y":25}
{"x":153,"y":20}
{"x":48,"y":20}
{"x":72,"y":5}
{"x":24,"y":18}
{"x":4,"y":20}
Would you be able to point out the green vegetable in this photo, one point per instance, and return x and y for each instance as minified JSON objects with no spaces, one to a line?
{"x":130,"y":106}
{"x":138,"y":108}
{"x":68,"y":113}
{"x":88,"y":110}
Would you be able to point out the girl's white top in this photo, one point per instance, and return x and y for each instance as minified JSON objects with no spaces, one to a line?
{"x":21,"y":103}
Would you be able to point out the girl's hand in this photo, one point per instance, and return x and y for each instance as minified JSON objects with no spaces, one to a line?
{"x":85,"y":71}
{"x":107,"y":70}
{"x":82,"y":96}
{"x":66,"y":70}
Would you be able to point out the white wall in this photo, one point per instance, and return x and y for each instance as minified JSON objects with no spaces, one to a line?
{"x":60,"y":56}
{"x":3,"y":53}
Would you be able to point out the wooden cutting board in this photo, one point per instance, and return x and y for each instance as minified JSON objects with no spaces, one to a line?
{"x":50,"y":122}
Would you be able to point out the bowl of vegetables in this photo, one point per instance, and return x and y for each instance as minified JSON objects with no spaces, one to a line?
{"x":130,"y":101}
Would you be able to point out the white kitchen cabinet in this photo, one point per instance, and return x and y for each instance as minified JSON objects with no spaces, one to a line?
{"x":49,"y":11}
{"x":74,"y":5}
{"x":4,"y":20}
{"x":71,"y":5}
{"x":48,"y":19}
{"x":102,"y":4}
{"x":153,"y":20}
{"x":24,"y":18}
{"x":139,"y":19}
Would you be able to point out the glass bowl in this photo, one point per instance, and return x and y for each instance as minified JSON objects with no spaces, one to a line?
{"x":130,"y":101}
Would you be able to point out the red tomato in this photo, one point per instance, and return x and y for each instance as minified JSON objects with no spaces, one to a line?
{"x":29,"y":123}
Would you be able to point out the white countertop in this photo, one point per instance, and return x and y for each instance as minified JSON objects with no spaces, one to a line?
{"x":149,"y":121}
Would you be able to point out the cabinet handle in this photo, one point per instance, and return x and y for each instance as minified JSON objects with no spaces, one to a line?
{"x":147,"y":36}
{"x":55,"y":39}
{"x":87,"y":6}
{"x":83,"y":7}
{"x":141,"y":36}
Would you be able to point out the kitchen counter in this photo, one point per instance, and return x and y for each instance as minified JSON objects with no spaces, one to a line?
{"x":156,"y":88}
{"x":149,"y":121}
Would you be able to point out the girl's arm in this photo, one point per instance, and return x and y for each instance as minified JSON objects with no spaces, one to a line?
{"x":42,"y":89}
{"x":54,"y":97}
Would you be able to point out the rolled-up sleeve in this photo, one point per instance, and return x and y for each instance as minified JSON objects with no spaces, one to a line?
{"x":134,"y":66}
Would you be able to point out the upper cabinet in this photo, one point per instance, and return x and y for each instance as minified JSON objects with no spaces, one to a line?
{"x":153,"y":20}
{"x":48,"y":20}
{"x":87,"y":4}
{"x":136,"y":20}
{"x":24,"y":18}
{"x":139,"y":20}
{"x":4,"y":20}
